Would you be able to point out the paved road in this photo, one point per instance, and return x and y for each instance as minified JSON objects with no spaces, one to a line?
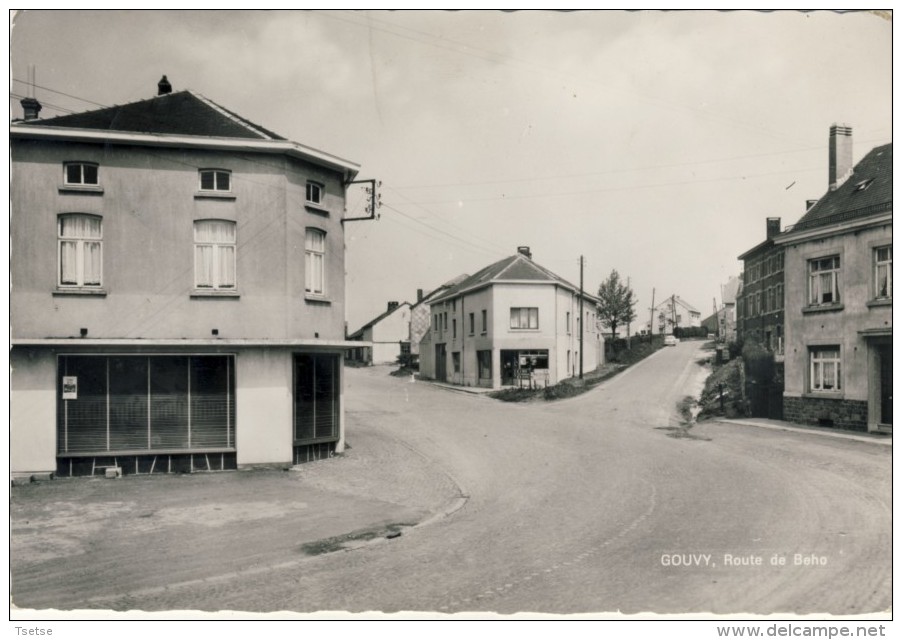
{"x":585,"y":505}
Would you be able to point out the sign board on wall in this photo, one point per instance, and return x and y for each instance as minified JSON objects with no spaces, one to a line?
{"x":70,"y":387}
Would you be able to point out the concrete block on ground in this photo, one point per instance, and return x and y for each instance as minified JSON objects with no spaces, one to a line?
{"x":42,"y":477}
{"x":113,"y":472}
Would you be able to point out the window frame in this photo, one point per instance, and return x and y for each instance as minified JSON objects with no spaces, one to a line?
{"x":815,"y":277}
{"x":82,"y":183}
{"x":485,"y":321}
{"x":531,"y":312}
{"x":217,"y":276}
{"x":320,"y":188}
{"x":216,"y":173}
{"x":819,"y":357}
{"x":472,"y":323}
{"x":80,"y":242}
{"x":310,"y":255}
{"x":888,"y":265}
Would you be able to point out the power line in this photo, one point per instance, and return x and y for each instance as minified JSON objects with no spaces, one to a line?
{"x":610,"y":189}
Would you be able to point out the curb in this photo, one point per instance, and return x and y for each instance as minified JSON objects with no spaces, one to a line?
{"x":887,"y":442}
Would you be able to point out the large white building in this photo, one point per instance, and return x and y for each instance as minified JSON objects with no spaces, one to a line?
{"x":513,"y":322}
{"x":177,"y":290}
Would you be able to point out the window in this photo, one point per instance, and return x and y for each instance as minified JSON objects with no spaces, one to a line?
{"x":129,"y":402}
{"x":435,"y":320}
{"x":779,"y":297}
{"x":485,"y":322}
{"x":757,"y":303}
{"x":454,"y":328}
{"x":80,"y":174}
{"x":472,"y":323}
{"x":863,"y":185}
{"x":314,"y":262}
{"x":826,"y":371}
{"x":823,"y":281}
{"x":214,"y":254}
{"x":314,"y":193}
{"x":455,"y":359}
{"x":568,"y":322}
{"x":524,"y":317}
{"x":80,"y":240}
{"x":215,"y":180}
{"x":883,"y":272}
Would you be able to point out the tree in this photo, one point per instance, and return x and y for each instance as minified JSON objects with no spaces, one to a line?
{"x":617,"y":303}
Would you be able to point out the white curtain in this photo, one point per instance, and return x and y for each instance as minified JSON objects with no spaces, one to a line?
{"x":315,"y":254}
{"x":81,"y":251}
{"x":214,"y":253}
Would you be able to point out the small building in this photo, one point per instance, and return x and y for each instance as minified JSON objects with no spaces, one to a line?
{"x":674,"y":313}
{"x":839,"y":296}
{"x":760,"y":305}
{"x":386,"y":336}
{"x":512,"y":323}
{"x":177,"y":290}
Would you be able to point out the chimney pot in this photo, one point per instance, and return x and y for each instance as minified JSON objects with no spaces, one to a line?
{"x":419,"y":295}
{"x":840,"y":155}
{"x":31,"y":107}
{"x":392,"y":305}
{"x":163,"y":86}
{"x":525,"y":251}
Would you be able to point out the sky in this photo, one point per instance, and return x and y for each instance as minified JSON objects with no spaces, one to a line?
{"x":654,"y":143}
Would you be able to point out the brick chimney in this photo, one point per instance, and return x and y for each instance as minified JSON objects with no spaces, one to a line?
{"x":525,"y":251}
{"x":163,"y":86}
{"x":773,"y":227}
{"x":419,"y":295}
{"x":31,"y":107}
{"x":392,"y":305}
{"x":840,"y":155}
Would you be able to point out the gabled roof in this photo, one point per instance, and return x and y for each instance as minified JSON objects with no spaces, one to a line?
{"x":516,"y":268}
{"x":678,"y":300}
{"x":180,"y":113}
{"x":868,"y":191}
{"x":377,"y":320}
{"x":439,"y":289}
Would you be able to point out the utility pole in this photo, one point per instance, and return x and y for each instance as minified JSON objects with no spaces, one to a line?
{"x":716,"y":319}
{"x":581,"y":322}
{"x":629,"y":293}
{"x":651,"y":323}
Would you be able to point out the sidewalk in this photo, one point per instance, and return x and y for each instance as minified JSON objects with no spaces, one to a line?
{"x":779,"y":425}
{"x":84,"y":541}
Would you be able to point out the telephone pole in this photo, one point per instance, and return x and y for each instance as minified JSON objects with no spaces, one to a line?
{"x":581,"y":321}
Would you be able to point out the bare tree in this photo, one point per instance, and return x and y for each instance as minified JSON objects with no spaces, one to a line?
{"x":617,"y":303}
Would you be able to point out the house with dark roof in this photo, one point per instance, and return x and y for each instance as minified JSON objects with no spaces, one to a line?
{"x":673,"y":313}
{"x":177,"y":290}
{"x":839,"y":296}
{"x":386,"y":337}
{"x":513,"y":322}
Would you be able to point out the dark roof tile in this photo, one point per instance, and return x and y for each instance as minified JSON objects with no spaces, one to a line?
{"x":180,"y":113}
{"x":868,"y":190}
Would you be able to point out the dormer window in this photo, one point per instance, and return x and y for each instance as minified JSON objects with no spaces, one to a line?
{"x":218,"y":180}
{"x":864,"y":184}
{"x":314,"y":193}
{"x":80,"y":174}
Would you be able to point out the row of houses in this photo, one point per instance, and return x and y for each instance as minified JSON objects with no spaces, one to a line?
{"x":177,"y":290}
{"x":819,"y":295}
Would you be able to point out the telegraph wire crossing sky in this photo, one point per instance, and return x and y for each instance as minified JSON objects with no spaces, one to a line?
{"x":654,"y":143}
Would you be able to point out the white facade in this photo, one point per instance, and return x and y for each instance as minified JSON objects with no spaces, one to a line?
{"x":474,"y":341}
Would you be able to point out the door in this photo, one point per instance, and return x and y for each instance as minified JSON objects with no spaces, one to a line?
{"x":441,"y":363}
{"x":885,"y":356}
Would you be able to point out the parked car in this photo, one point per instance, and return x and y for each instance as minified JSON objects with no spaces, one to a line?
{"x":670,"y":341}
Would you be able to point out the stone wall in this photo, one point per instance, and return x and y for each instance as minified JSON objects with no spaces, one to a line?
{"x":827,"y":412}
